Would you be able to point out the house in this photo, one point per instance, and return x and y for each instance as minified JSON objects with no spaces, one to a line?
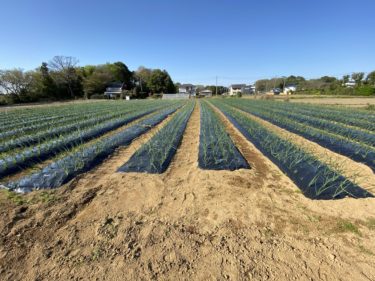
{"x":350,"y":84}
{"x":289,"y":89}
{"x":248,"y":90}
{"x":236,"y":88}
{"x":206,"y":93}
{"x":241,"y":88}
{"x":114,"y":90}
{"x":187,"y":89}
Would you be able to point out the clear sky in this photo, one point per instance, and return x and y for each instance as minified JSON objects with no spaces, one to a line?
{"x":195,"y":40}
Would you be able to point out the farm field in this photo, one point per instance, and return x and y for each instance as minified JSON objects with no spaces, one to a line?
{"x":345,"y":101}
{"x":214,"y":189}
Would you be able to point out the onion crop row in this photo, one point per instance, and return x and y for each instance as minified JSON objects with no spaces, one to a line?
{"x":27,"y":157}
{"x":364,"y":121}
{"x":38,"y":125}
{"x":25,"y":117}
{"x":47,"y":135}
{"x":357,"y":151}
{"x":216,"y":149}
{"x":352,"y":133}
{"x":83,"y":159}
{"x":156,"y":155}
{"x":315,"y":179}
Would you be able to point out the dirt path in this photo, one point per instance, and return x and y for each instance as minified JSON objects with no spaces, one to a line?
{"x":186,"y":224}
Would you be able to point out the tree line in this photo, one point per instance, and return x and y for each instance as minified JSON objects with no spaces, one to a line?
{"x":362,"y":85}
{"x":62,"y":79}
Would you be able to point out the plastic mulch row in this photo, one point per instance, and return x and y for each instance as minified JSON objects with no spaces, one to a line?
{"x":164,"y":148}
{"x":64,"y":169}
{"x":303,"y":173}
{"x":216,"y":149}
{"x":350,"y":149}
{"x":29,"y":157}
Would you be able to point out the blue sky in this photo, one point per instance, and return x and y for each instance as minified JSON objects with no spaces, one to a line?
{"x":238,"y":41}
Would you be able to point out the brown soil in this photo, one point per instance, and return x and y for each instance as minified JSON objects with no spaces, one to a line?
{"x":185,"y":224}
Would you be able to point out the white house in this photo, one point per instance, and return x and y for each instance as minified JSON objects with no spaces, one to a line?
{"x":241,"y":88}
{"x":187,"y":89}
{"x":114,"y":90}
{"x":350,"y":84}
{"x":289,"y":89}
{"x":248,"y":90}
{"x":206,"y":93}
{"x":236,"y":88}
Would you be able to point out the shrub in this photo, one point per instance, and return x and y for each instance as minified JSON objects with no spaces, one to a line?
{"x":97,"y":97}
{"x":365,"y":91}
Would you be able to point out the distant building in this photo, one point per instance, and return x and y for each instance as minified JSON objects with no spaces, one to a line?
{"x":206,"y":93}
{"x":187,"y":89}
{"x":248,"y":90}
{"x":236,"y":88}
{"x":350,"y":84}
{"x":114,"y":90}
{"x":241,"y":88}
{"x":289,"y":89}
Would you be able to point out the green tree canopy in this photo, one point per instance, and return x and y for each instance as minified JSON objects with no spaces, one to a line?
{"x":358,"y":77}
{"x":370,"y":79}
{"x":160,"y":82}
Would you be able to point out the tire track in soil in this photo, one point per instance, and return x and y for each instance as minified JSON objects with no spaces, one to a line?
{"x":354,"y":171}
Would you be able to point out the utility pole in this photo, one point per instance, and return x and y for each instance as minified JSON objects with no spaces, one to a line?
{"x":216,"y":86}
{"x":140,"y":82}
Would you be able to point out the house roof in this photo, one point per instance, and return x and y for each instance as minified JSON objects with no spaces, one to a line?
{"x":238,"y":85}
{"x":116,"y":85}
{"x":186,"y":86}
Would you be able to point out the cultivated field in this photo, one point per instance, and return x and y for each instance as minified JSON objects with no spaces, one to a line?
{"x":216,"y":189}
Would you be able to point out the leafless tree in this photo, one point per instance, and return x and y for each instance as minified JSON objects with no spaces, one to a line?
{"x":14,"y":81}
{"x":63,"y":69}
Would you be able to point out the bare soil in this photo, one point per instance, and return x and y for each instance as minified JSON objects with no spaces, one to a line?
{"x":185,"y":224}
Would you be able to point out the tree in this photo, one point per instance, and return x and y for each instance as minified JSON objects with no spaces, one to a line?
{"x":328,"y":79}
{"x":64,"y":71}
{"x":96,"y":80}
{"x":345,"y":79}
{"x":294,"y":80}
{"x":262,"y":85}
{"x":220,"y":89}
{"x":142,"y":76}
{"x":16,"y":83}
{"x":371,"y":78}
{"x":358,"y":77}
{"x":121,"y":73}
{"x":47,"y":85}
{"x":161,"y":82}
